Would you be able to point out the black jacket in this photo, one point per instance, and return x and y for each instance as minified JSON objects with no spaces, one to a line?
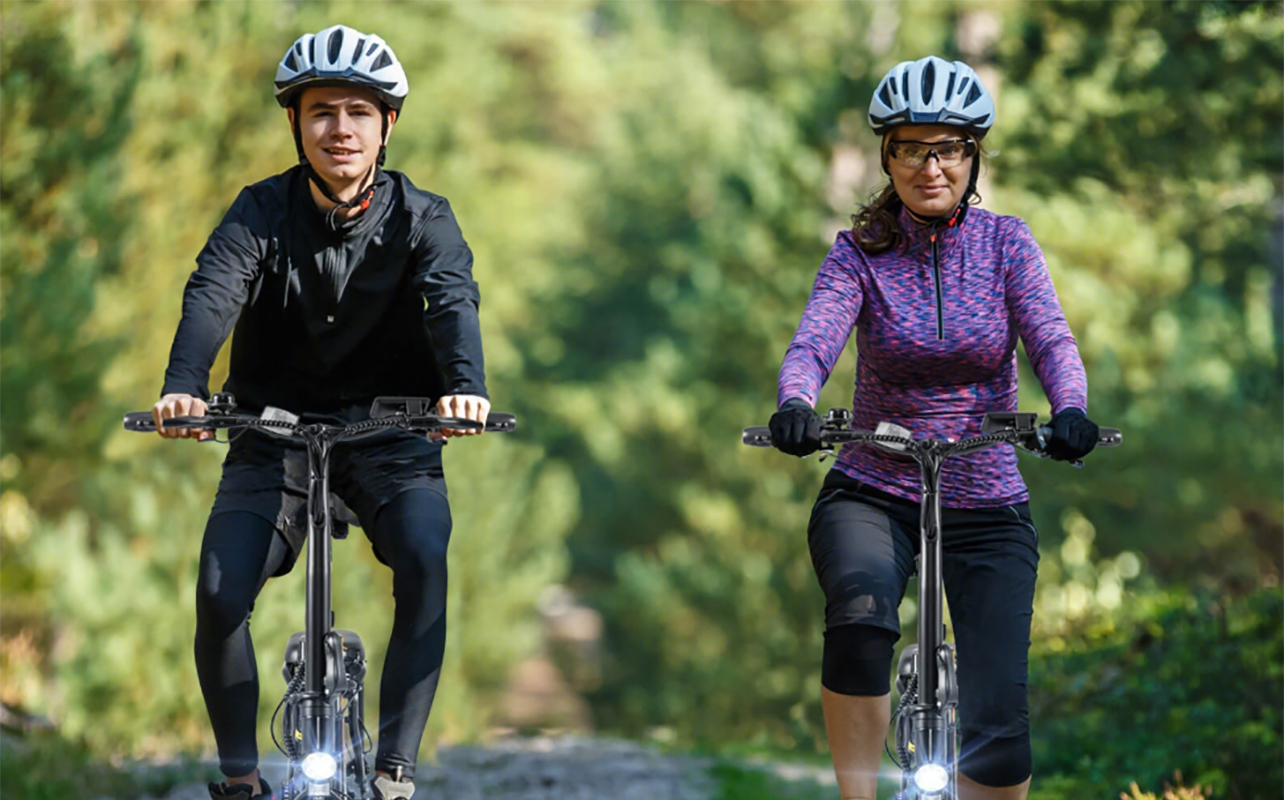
{"x":325,"y":320}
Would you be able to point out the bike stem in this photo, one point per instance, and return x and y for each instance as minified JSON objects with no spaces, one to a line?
{"x":927,"y":716}
{"x":316,"y":706}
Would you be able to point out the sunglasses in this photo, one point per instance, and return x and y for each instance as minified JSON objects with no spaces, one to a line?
{"x":949,"y":153}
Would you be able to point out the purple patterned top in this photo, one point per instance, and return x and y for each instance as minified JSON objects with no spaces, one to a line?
{"x":936,"y":348}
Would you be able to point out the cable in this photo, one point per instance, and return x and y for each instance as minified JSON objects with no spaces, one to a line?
{"x":910,"y":696}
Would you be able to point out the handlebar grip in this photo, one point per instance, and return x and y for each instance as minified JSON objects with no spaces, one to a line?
{"x":501,"y":422}
{"x":140,"y":421}
{"x":757,"y":436}
{"x":1106,"y":437}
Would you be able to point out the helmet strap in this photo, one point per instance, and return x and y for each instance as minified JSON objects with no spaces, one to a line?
{"x":383,"y":137}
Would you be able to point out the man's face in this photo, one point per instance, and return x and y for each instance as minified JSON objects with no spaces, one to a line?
{"x":341,"y":128}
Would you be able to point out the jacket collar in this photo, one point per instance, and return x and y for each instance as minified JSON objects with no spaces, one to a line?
{"x":918,"y":233}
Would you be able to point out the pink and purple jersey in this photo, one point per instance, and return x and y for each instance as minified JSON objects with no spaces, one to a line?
{"x":937,"y":325}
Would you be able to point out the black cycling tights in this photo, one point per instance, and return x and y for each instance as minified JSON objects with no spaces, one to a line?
{"x":238,"y":554}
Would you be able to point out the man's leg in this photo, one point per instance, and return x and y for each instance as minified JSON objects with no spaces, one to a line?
{"x":240,"y":550}
{"x":411,"y":533}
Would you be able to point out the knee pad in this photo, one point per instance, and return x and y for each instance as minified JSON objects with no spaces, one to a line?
{"x":995,"y":760}
{"x":858,"y":660}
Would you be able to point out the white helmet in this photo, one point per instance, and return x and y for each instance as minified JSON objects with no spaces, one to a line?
{"x":341,"y":55}
{"x":932,"y":91}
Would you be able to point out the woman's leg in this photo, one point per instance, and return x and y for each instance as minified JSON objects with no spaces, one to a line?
{"x":411,"y":533}
{"x":991,"y":560}
{"x":240,"y":550}
{"x":862,"y":559}
{"x":856,"y":728}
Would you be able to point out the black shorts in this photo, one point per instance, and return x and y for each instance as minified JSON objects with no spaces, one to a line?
{"x":268,"y":476}
{"x":863,"y":543}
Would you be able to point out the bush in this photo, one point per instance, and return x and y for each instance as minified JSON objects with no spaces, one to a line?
{"x":1187,"y":681}
{"x":47,"y":766}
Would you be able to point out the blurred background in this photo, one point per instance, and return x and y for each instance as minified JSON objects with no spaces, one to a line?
{"x":649,"y":188}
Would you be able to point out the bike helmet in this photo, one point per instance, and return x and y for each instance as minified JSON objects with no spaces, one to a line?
{"x":341,"y":55}
{"x":932,"y":91}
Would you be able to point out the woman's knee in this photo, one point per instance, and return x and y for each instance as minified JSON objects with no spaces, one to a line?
{"x":995,"y":760}
{"x":858,"y":660}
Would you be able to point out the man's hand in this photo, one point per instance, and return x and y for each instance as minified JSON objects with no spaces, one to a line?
{"x":180,"y":405}
{"x":463,"y":406}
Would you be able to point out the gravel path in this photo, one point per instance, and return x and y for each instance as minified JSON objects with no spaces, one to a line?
{"x":543,"y":768}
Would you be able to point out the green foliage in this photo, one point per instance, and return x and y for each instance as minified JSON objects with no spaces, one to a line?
{"x":648,"y":189}
{"x":1139,"y":140}
{"x":45,"y":766}
{"x":735,"y":782}
{"x":1177,"y":680}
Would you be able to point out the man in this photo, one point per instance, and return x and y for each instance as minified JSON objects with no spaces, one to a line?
{"x":344,"y":282}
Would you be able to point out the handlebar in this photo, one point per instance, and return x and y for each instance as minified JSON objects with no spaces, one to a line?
{"x":421,"y":420}
{"x":1017,"y":429}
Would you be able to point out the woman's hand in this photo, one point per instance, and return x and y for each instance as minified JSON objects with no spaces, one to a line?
{"x":795,"y":428}
{"x":180,"y":405}
{"x":1073,"y":435}
{"x":463,"y":406}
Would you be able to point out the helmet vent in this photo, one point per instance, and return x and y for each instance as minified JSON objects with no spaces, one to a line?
{"x":291,"y":62}
{"x":356,"y":53}
{"x":312,"y":50}
{"x":372,"y":47}
{"x":930,"y":90}
{"x":885,"y":94}
{"x":336,"y":44}
{"x":382,"y":61}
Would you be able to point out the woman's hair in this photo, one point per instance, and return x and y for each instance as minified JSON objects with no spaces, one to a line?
{"x":876,"y":226}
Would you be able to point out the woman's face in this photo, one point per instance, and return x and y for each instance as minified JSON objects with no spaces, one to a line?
{"x":934,"y":187}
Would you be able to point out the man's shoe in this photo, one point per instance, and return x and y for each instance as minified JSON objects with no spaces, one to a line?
{"x":386,"y":788}
{"x":239,"y":791}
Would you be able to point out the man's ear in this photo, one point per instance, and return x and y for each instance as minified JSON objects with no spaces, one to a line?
{"x":392,"y":120}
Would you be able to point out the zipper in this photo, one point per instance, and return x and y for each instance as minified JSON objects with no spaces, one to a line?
{"x":936,"y":268}
{"x":333,"y":261}
{"x":936,"y":275}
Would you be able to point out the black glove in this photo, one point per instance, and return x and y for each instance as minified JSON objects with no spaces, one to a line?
{"x":1073,"y":435}
{"x":795,"y":428}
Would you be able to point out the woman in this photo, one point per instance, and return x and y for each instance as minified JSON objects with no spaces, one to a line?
{"x":938,"y":293}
